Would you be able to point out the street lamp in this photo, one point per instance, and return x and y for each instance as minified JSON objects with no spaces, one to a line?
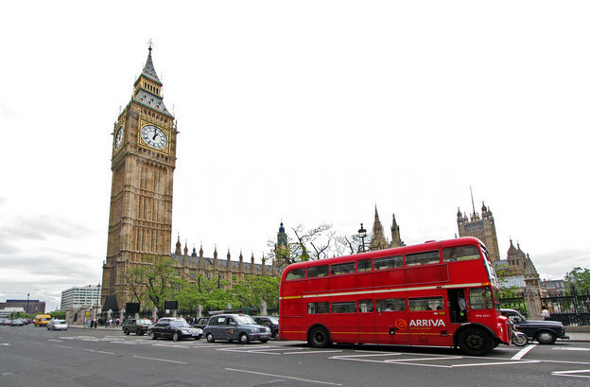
{"x":27,"y":307}
{"x":362,"y":234}
{"x":98,"y":297}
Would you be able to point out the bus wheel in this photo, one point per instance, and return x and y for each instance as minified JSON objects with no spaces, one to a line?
{"x":475,"y":342}
{"x":318,"y":338}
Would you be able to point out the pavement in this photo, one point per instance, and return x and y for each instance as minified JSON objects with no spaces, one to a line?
{"x":579,"y":333}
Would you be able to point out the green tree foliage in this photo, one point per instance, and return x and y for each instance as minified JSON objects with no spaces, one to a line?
{"x":207,"y":292}
{"x":254,"y":289}
{"x":578,"y":280}
{"x":154,"y":284}
{"x":506,"y":291}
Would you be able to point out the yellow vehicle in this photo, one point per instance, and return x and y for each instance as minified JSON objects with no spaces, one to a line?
{"x":41,"y":320}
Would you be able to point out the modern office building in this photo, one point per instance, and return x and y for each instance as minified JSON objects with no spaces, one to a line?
{"x":76,"y":297}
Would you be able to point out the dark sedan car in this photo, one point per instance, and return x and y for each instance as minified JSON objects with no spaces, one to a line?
{"x":544,"y":331}
{"x":271,"y":322}
{"x":239,"y":327}
{"x":201,"y":322}
{"x":138,"y":326}
{"x":175,"y":329}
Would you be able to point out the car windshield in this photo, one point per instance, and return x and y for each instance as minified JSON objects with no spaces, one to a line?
{"x":60,"y":322}
{"x":245,"y":320}
{"x":274,"y":320}
{"x":144,"y":321}
{"x":179,"y":324}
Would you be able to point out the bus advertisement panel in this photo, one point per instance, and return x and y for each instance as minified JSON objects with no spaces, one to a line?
{"x":438,"y":293}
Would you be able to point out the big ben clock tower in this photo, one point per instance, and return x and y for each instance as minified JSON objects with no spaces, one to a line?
{"x":143,"y":162}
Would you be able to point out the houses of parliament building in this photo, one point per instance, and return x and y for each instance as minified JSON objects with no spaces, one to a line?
{"x":140,"y":220}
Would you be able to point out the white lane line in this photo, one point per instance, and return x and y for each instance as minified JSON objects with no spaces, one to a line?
{"x":523,"y":352}
{"x":62,"y":346}
{"x":162,"y":360}
{"x":284,"y":377}
{"x":311,"y":352}
{"x":497,"y":363}
{"x":571,"y":374}
{"x":104,"y":352}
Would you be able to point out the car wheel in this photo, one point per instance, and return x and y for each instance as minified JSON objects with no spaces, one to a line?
{"x":210,"y":338}
{"x":175,"y":336}
{"x":318,"y":338}
{"x":152,"y":336}
{"x":475,"y":342}
{"x":138,"y":333}
{"x":243,"y":339}
{"x":275,"y":335}
{"x":546,"y":337}
{"x":198,"y":338}
{"x":264,"y":341}
{"x":126,"y":331}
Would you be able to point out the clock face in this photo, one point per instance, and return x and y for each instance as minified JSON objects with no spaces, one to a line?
{"x":119,"y":137}
{"x":154,"y":137}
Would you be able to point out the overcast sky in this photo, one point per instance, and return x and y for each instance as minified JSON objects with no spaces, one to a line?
{"x":305,"y":112}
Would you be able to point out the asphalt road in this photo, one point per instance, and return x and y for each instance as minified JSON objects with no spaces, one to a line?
{"x":32,"y":356}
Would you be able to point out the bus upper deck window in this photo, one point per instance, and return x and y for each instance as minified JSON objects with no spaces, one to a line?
{"x":296,"y":274}
{"x":317,"y":271}
{"x":364,"y":265}
{"x":342,"y":268}
{"x":422,"y":258}
{"x":389,"y":262}
{"x":460,"y":253}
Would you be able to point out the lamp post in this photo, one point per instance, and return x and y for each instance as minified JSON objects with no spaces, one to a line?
{"x":98,"y":297}
{"x":27,"y":307}
{"x":362,"y":234}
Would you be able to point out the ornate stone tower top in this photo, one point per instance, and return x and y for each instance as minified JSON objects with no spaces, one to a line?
{"x":482,"y":227}
{"x":378,"y":242}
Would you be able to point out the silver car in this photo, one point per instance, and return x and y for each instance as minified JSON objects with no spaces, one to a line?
{"x":57,"y":325}
{"x":239,"y":327}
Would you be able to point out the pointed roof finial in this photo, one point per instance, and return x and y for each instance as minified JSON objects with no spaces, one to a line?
{"x":150,"y":44}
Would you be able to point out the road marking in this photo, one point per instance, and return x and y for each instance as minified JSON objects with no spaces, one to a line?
{"x":162,"y":360}
{"x":106,"y":353}
{"x":306,"y":352}
{"x":523,"y":352}
{"x":62,"y":346}
{"x":571,"y":374}
{"x":497,"y":363}
{"x":284,"y":377}
{"x":571,"y":349}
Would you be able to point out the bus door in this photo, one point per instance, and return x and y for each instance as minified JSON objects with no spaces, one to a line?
{"x":457,"y":306}
{"x":391,"y":323}
{"x":429,"y":321}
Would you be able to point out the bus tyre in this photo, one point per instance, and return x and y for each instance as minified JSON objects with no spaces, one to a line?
{"x":475,"y":342}
{"x":318,"y":338}
{"x":546,"y":337}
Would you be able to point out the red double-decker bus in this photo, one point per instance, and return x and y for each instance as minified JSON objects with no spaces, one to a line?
{"x":442,"y":293}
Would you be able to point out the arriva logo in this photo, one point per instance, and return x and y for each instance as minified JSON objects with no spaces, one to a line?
{"x":427,"y":323}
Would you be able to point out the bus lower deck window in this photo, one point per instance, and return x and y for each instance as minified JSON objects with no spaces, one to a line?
{"x":425,"y":303}
{"x":317,"y":307}
{"x":343,"y":307}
